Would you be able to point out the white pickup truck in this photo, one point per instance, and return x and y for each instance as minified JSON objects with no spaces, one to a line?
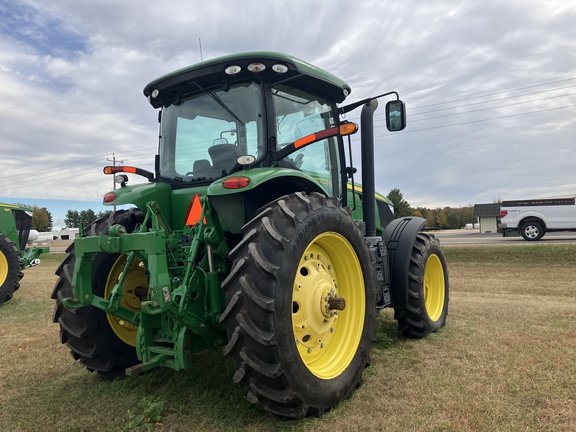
{"x":534,"y":217}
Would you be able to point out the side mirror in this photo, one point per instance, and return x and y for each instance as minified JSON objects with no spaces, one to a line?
{"x":395,"y":115}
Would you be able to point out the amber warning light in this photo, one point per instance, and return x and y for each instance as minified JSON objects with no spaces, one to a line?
{"x":128,"y":169}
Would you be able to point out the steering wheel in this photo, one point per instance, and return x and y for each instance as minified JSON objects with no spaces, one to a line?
{"x":299,"y":160}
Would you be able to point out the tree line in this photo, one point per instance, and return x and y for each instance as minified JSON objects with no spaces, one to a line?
{"x":74,"y":217}
{"x":444,"y":218}
{"x":42,"y":218}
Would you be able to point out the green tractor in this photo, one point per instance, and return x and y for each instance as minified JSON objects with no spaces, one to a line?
{"x":15,"y":231}
{"x":252,"y":236}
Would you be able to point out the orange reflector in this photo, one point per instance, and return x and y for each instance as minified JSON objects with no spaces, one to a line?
{"x":109,"y":197}
{"x":194,"y":211}
{"x":305,"y":140}
{"x":236,"y":182}
{"x":348,"y":128}
{"x":343,"y":129}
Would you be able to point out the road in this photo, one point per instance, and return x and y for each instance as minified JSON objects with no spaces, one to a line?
{"x":458,"y":237}
{"x":474,"y":238}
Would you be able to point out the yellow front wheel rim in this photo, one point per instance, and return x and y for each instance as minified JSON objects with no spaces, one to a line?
{"x":135,"y":286}
{"x":3,"y":269}
{"x":434,"y":287}
{"x":327,"y":336}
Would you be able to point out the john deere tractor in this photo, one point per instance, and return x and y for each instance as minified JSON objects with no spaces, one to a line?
{"x":15,"y":224}
{"x":252,"y":236}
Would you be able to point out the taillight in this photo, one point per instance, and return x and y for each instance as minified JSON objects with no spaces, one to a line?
{"x":236,"y":182}
{"x":503,"y":213}
{"x":109,"y":197}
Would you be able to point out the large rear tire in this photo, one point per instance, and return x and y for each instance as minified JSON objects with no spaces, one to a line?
{"x":99,"y":341}
{"x":10,"y":268}
{"x":428,"y":289}
{"x":300,"y":306}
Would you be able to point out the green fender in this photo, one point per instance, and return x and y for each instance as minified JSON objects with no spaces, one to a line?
{"x":259,"y":176}
{"x":140,"y":194}
{"x":238,"y":206}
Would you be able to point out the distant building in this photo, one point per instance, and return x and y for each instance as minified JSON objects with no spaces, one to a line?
{"x":68,"y":233}
{"x":488,"y":216}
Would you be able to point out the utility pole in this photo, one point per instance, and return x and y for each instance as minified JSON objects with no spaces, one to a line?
{"x":113,"y":160}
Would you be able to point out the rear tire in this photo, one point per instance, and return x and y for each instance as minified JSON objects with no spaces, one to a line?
{"x":296,"y":354}
{"x":428,"y":289}
{"x":10,"y":268}
{"x":93,"y":336}
{"x":532,"y":231}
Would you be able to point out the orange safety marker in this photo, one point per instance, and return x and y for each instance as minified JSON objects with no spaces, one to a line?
{"x":194,"y":211}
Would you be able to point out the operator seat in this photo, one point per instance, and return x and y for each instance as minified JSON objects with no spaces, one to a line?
{"x":202,"y":169}
{"x":223,"y":158}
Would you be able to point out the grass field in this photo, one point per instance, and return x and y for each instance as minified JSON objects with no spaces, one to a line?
{"x":505,"y":362}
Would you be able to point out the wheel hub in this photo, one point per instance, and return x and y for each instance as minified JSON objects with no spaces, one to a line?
{"x":135,"y":291}
{"x":314,"y":288}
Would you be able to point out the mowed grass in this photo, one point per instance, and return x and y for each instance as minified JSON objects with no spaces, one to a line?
{"x":505,"y":362}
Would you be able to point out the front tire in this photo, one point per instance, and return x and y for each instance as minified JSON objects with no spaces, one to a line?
{"x":10,"y":268}
{"x":532,"y":231}
{"x":99,"y":341}
{"x":300,"y":306}
{"x":428,"y":289}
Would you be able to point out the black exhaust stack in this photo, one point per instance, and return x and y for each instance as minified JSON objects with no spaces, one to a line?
{"x":368,"y":171}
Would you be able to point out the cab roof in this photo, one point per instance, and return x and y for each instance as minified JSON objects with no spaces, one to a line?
{"x":211,"y":73}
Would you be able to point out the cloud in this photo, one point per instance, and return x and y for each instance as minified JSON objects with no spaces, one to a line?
{"x":489,"y":86}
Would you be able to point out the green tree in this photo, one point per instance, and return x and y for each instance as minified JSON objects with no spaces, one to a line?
{"x":87,"y":217}
{"x":441,"y":219}
{"x":72,"y":219}
{"x":103,"y":213}
{"x":401,"y":207}
{"x":431,"y":218}
{"x":452,"y":219}
{"x":41,"y":219}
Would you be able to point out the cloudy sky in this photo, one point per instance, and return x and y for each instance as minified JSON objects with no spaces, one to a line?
{"x":490,"y":87}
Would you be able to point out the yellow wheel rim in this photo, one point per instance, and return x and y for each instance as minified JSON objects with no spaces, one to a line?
{"x":135,"y":283}
{"x":327,"y":338}
{"x":434,"y":287}
{"x":3,"y":268}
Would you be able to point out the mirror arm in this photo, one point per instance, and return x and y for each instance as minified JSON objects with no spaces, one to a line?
{"x":348,"y":108}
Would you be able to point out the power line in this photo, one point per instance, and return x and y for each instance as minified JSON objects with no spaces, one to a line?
{"x":483,"y":120}
{"x":489,"y":108}
{"x":67,"y":166}
{"x":381,"y":119}
{"x":500,"y":99}
{"x":495,"y":93}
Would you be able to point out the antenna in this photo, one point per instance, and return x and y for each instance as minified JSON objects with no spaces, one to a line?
{"x":200,"y":44}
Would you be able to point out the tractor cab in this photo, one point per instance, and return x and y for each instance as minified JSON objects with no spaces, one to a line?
{"x":257,"y":110}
